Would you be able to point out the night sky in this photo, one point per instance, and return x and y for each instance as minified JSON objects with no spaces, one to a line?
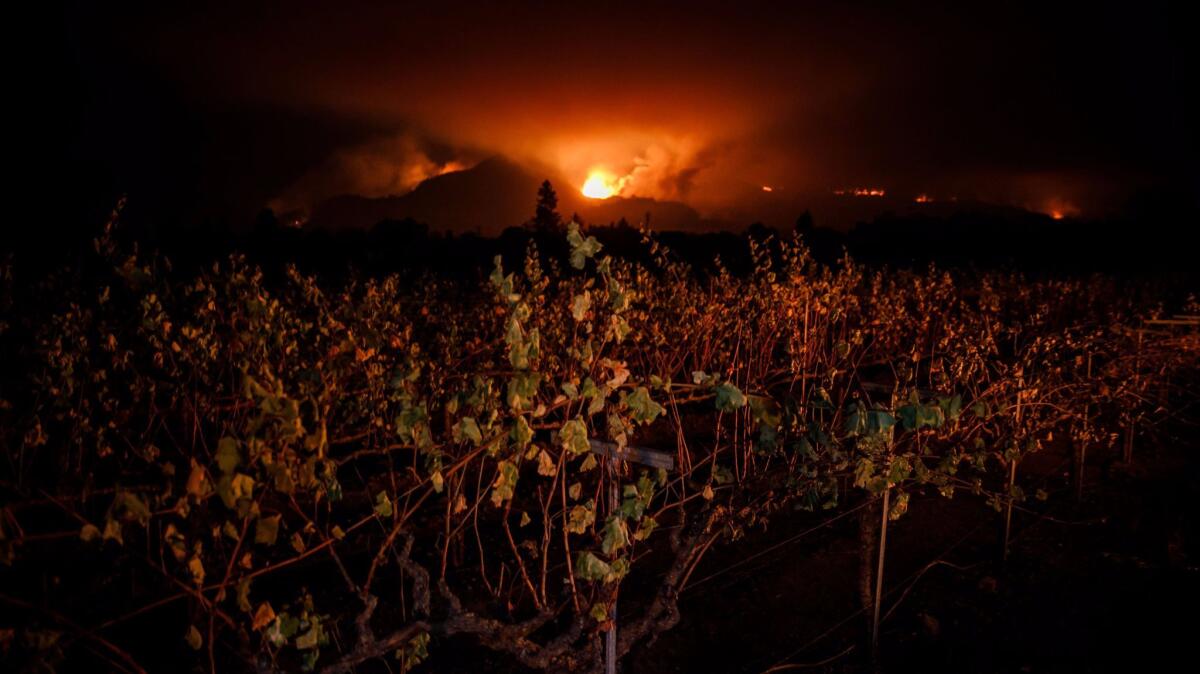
{"x":199,"y":112}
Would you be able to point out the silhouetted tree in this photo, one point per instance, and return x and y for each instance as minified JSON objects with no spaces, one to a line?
{"x":546,"y":217}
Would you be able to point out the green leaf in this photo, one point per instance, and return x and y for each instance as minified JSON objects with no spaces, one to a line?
{"x":899,"y":506}
{"x":644,"y":409}
{"x":637,"y":498}
{"x":599,"y":612}
{"x":645,"y":528}
{"x":916,"y":416}
{"x":522,"y":348}
{"x":412,"y":424}
{"x":580,"y":305}
{"x":506,"y":482}
{"x":900,"y":470}
{"x":616,"y":536}
{"x":981,"y":409}
{"x":581,"y":248}
{"x":468,"y":429}
{"x":520,"y":433}
{"x":383,"y":504}
{"x":951,"y":406}
{"x":573,"y":436}
{"x":863,"y":472}
{"x":522,"y":388}
{"x":310,"y":639}
{"x":416,"y":651}
{"x":591,"y":567}
{"x":729,"y":397}
{"x":283,"y":629}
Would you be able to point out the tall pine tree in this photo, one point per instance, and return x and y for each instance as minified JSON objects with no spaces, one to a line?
{"x":546,"y":217}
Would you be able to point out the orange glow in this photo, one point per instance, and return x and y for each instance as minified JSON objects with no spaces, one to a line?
{"x":923,"y":199}
{"x":768,"y":188}
{"x":602,"y":185}
{"x":1058,"y":208}
{"x":860,"y":192}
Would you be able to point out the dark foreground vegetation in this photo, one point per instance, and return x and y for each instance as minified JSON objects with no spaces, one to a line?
{"x":208,"y":467}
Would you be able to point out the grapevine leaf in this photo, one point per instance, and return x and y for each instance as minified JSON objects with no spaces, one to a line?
{"x":591,"y":567}
{"x":729,"y":397}
{"x":645,"y":410}
{"x":573,"y":436}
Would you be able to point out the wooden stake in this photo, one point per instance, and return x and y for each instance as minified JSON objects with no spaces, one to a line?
{"x":879,"y":573}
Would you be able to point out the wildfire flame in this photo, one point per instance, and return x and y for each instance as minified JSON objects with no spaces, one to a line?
{"x":1059,"y":208}
{"x":860,"y":192}
{"x":601,"y":184}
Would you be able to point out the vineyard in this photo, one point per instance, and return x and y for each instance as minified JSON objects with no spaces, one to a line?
{"x":226,"y":471}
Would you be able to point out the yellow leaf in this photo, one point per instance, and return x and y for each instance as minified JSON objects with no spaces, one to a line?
{"x":193,"y":638}
{"x":196,"y":567}
{"x":263,"y":616}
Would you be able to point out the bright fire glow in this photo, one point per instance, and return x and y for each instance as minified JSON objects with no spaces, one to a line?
{"x":1058,"y":208}
{"x":860,"y":192}
{"x":923,"y":199}
{"x":601,"y":185}
{"x":768,"y":188}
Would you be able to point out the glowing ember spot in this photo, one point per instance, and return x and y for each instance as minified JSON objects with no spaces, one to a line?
{"x":768,"y":188}
{"x":923,"y":199}
{"x":601,"y":185}
{"x":1057,"y":215}
{"x":860,"y":192}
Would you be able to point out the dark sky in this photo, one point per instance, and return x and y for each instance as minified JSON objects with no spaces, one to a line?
{"x":216,"y":112}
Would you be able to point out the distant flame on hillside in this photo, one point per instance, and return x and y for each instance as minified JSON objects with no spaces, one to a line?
{"x":602,"y":184}
{"x":1058,"y":208}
